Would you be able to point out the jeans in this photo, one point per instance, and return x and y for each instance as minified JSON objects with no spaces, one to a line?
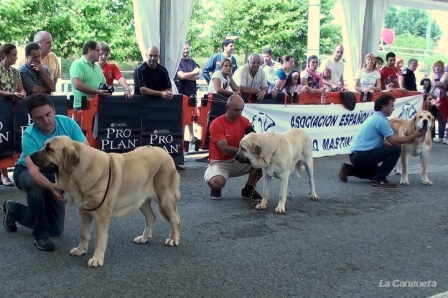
{"x":365,"y":163}
{"x":442,"y":125}
{"x":44,"y":213}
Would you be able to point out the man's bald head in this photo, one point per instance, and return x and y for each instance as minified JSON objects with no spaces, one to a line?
{"x":234,"y":99}
{"x":152,"y":56}
{"x":338,"y":52}
{"x":234,"y":106}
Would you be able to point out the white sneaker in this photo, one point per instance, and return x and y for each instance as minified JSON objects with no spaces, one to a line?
{"x":437,"y":140}
{"x":445,"y":141}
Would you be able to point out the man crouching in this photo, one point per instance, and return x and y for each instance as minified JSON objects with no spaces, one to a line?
{"x":226,"y":133}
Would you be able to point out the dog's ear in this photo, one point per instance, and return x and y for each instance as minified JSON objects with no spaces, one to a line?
{"x":71,"y":159}
{"x":414,"y":124}
{"x":256,"y":148}
{"x":433,"y":122}
{"x":263,"y":153}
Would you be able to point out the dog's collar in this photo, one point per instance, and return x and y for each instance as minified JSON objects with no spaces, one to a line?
{"x":107,"y":190}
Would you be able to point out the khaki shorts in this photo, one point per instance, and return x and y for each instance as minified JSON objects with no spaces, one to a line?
{"x":226,"y":168}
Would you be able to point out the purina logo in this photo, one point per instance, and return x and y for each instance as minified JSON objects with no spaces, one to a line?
{"x":262,"y":122}
{"x":118,"y":125}
{"x":156,"y":131}
{"x":407,"y":111}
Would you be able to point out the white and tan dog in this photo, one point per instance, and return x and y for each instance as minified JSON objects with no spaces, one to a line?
{"x":278,"y":155}
{"x":419,"y":147}
{"x":105,"y":185}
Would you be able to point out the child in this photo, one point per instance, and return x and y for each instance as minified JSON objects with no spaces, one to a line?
{"x":426,"y":83}
{"x":292,"y":85}
{"x":390,"y":86}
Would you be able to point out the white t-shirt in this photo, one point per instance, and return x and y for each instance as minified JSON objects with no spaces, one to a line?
{"x":337,"y":68}
{"x":305,"y":75}
{"x":225,"y":84}
{"x":367,"y":79}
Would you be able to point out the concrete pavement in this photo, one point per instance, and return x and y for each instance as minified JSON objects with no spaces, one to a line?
{"x":357,"y":241}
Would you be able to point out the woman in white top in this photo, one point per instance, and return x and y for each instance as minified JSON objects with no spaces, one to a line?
{"x":310,"y":76}
{"x":368,"y":79}
{"x":222,"y":79}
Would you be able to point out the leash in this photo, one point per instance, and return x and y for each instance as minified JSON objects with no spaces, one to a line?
{"x":251,"y":200}
{"x":107,"y":190}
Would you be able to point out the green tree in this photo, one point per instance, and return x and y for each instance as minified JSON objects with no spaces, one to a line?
{"x":197,"y":37}
{"x":72,"y":22}
{"x":279,"y":24}
{"x":410,"y":21}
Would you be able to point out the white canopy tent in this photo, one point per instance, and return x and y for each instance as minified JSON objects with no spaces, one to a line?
{"x":164,"y":23}
{"x":362,"y":28}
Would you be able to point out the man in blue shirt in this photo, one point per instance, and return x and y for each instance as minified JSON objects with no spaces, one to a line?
{"x":214,"y":63}
{"x":369,"y":147}
{"x":45,"y":212}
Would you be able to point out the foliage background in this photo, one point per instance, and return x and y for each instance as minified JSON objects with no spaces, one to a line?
{"x":279,"y":24}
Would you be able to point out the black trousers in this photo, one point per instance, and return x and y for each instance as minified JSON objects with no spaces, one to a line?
{"x":365,"y":163}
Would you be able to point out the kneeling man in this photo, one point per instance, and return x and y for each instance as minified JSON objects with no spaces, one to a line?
{"x":226,"y":133}
{"x":375,"y":143}
{"x":45,"y":212}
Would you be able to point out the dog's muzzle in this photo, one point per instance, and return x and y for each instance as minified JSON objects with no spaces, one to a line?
{"x":425,"y":125}
{"x":241,"y":158}
{"x":52,"y":168}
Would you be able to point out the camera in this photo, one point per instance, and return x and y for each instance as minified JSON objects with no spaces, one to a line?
{"x":107,"y":88}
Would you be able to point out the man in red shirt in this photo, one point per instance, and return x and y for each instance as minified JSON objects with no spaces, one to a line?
{"x":111,"y":71}
{"x":226,"y":133}
{"x":389,"y":71}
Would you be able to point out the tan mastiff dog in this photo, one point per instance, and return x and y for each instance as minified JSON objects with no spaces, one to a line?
{"x":278,"y":155}
{"x":105,"y":185}
{"x":419,"y":147}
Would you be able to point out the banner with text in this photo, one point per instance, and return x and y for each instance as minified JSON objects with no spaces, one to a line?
{"x":331,"y":127}
{"x":6,"y":128}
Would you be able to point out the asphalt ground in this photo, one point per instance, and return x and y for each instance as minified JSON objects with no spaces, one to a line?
{"x":356,"y":241}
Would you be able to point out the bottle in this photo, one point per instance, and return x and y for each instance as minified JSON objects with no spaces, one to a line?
{"x":364,"y":96}
{"x":323,"y":96}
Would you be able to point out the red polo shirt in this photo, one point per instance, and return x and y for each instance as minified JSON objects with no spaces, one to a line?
{"x":111,"y":73}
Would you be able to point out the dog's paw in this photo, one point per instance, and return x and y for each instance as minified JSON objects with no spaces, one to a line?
{"x":280,"y":210}
{"x":261,"y":206}
{"x":171,"y":242}
{"x":141,"y":240}
{"x":427,"y":182}
{"x":314,"y":198}
{"x":95,"y":262}
{"x":78,"y":252}
{"x":404,"y":182}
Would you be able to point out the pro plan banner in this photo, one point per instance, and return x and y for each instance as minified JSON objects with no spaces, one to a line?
{"x":126,"y":125}
{"x":162,"y":125}
{"x":119,"y":124}
{"x":331,"y":127}
{"x":6,"y":128}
